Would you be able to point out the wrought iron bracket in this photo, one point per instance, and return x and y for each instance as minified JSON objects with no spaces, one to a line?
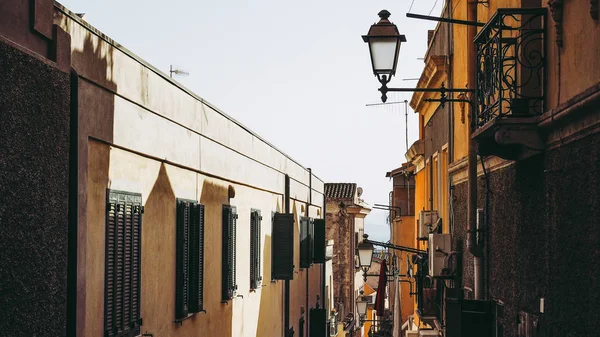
{"x":392,"y":246}
{"x":384,"y":80}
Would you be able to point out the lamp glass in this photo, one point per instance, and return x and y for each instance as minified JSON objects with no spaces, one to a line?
{"x":365,"y":255}
{"x":361,"y":305}
{"x":384,"y":54}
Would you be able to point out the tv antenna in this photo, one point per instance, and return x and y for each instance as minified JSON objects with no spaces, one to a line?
{"x":177,"y":72}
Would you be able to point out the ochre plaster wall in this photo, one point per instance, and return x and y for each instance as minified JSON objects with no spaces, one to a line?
{"x":141,"y":132}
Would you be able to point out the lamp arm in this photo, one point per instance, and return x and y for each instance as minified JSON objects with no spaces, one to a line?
{"x":392,"y":246}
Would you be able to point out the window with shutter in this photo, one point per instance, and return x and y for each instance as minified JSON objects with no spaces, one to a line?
{"x":229,"y":286}
{"x":305,"y":242}
{"x":122,"y":264}
{"x":282,"y":257}
{"x":255,"y":236}
{"x":189,"y":261}
{"x":319,"y":241}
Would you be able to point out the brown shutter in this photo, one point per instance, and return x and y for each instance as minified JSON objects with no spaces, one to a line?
{"x":319,"y":241}
{"x":283,"y":247}
{"x":181,"y":260}
{"x":196,"y":273}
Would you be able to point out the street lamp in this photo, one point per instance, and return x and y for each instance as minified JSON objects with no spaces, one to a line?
{"x":361,"y":305}
{"x":384,"y":46}
{"x":365,"y":256}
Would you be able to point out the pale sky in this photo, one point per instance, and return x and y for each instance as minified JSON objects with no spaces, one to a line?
{"x":295,"y":72}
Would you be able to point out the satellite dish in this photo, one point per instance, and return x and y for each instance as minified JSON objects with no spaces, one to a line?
{"x":359,"y":191}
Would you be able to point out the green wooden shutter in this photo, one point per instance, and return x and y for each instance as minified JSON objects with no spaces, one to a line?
{"x":319,"y":241}
{"x":182,"y":259}
{"x":136,"y":267}
{"x":229,"y":286}
{"x":311,"y":241}
{"x":255,"y":236}
{"x":282,"y":267}
{"x":196,"y":271}
{"x":304,"y":242}
{"x":109,"y":268}
{"x":122,"y":264}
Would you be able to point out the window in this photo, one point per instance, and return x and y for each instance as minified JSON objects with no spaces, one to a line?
{"x":255,"y":236}
{"x":228,"y":280}
{"x":282,"y":266}
{"x":189,"y":261}
{"x":122,"y":264}
{"x":306,"y":242}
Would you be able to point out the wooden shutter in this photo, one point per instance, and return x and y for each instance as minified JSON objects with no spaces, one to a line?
{"x":182,"y":259}
{"x":196,"y":262}
{"x":109,"y":268}
{"x":282,"y":267}
{"x":304,"y":242}
{"x":122,"y":264}
{"x":136,"y":267}
{"x":319,"y":241}
{"x":229,"y":286}
{"x":255,"y":234}
{"x":318,"y":322}
{"x":311,"y":241}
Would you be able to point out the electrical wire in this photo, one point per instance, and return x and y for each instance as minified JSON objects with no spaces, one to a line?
{"x":411,"y":4}
{"x":432,"y":8}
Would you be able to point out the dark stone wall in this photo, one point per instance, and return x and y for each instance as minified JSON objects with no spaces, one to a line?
{"x":544,"y":238}
{"x":34,"y":158}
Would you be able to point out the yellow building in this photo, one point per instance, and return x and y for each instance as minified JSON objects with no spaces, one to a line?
{"x":530,"y":61}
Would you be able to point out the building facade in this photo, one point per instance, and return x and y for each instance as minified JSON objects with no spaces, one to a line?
{"x":345,"y":225}
{"x":510,"y":176}
{"x":151,"y":211}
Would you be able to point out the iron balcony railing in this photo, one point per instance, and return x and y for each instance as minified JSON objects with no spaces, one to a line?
{"x":511,"y":64}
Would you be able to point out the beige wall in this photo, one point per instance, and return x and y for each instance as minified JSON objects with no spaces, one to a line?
{"x":141,"y":132}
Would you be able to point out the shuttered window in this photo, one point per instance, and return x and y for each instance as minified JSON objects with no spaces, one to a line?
{"x":306,"y":242}
{"x":189,"y":264}
{"x":229,"y":285}
{"x":319,"y":241}
{"x":122,"y":264}
{"x":255,"y":235}
{"x":282,"y":256}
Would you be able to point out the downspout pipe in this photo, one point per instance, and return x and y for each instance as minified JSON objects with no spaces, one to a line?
{"x":286,"y":283}
{"x":472,"y":244}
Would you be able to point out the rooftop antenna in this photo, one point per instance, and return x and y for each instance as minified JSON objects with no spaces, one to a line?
{"x":177,"y":72}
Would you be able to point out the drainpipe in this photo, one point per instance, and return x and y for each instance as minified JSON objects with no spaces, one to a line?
{"x":307,"y":214}
{"x":472,"y":244}
{"x":286,"y":283}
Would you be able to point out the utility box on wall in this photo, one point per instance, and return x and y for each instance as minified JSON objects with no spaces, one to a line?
{"x":439,"y":248}
{"x":426,"y":220}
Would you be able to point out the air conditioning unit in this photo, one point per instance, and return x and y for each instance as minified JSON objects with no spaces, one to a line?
{"x":412,"y":333}
{"x":426,"y":221}
{"x":434,"y":332}
{"x":439,"y":248}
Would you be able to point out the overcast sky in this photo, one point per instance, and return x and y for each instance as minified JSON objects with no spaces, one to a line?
{"x":295,"y":72}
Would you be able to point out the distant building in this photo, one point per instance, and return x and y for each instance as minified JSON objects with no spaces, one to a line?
{"x":345,"y":225}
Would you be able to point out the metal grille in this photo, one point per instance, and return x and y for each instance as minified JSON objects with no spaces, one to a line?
{"x":511,"y":62}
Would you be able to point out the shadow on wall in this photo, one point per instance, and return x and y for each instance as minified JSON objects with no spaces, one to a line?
{"x":218,"y":319}
{"x":158,"y":257}
{"x":93,"y":111}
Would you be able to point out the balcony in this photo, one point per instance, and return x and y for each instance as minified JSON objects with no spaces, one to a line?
{"x":511,"y":82}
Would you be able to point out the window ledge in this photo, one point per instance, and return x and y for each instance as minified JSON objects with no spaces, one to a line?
{"x":180,"y":320}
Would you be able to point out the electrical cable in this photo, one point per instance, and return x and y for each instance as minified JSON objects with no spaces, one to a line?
{"x":432,"y":8}
{"x":411,"y":4}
